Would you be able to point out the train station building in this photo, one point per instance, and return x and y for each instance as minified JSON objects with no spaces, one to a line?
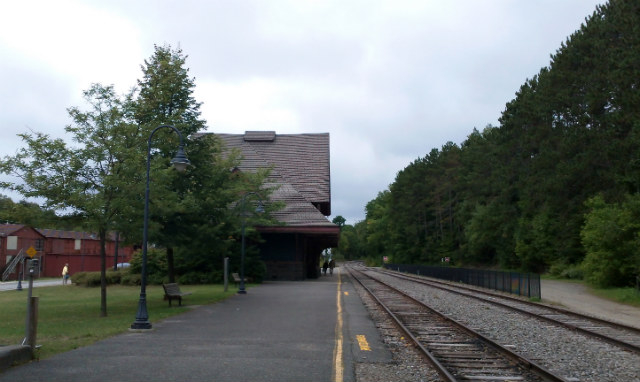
{"x":300,"y":174}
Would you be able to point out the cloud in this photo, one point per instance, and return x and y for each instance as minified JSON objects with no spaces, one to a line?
{"x":389,"y":80}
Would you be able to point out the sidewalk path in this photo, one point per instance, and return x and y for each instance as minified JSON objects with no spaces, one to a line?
{"x":576,"y":296}
{"x":278,"y":331}
{"x":13,"y":285}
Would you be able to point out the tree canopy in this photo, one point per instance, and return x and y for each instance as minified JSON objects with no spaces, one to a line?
{"x":99,"y":177}
{"x":516,"y":195}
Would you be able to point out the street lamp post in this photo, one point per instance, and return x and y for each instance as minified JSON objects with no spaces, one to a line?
{"x":180,"y":162}
{"x":259,"y":209}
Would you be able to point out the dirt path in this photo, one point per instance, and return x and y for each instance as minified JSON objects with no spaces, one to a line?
{"x":577,"y":297}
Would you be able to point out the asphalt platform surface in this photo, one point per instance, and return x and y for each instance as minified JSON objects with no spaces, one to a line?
{"x":313,"y":330}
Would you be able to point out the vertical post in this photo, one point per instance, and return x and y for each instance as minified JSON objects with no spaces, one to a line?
{"x":32,"y":329}
{"x":242,"y":290}
{"x":226,"y":273}
{"x":142,"y":316}
{"x":115,"y":256}
{"x":180,"y":161}
{"x":27,"y":324}
{"x":20,"y":280}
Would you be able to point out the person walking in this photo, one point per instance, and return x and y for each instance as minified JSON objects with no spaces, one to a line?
{"x":65,"y":274}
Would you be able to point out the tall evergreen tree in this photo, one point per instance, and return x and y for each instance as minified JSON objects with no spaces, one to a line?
{"x":189,"y":211}
{"x":515,"y":194}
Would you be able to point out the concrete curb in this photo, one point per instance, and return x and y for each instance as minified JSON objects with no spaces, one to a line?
{"x":13,"y":355}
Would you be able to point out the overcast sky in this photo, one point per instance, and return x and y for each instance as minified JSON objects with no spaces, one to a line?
{"x":389,"y":80}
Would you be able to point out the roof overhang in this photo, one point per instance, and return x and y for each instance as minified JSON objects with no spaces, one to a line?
{"x":328,"y":233}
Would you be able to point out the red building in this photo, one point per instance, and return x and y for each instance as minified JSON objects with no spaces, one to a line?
{"x":55,"y":248}
{"x":81,"y":250}
{"x":15,"y":239}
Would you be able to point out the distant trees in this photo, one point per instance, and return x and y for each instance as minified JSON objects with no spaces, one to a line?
{"x":28,"y":213}
{"x":521,"y":195}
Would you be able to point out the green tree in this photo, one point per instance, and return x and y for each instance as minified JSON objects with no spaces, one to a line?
{"x":86,"y":178}
{"x":190,"y":213}
{"x":611,"y":237}
{"x":165,"y":97}
{"x":29,"y":213}
{"x":339,"y":221}
{"x":514,"y":194}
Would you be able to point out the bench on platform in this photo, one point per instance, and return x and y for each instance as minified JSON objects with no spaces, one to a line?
{"x":236,"y":278}
{"x":172,"y":291}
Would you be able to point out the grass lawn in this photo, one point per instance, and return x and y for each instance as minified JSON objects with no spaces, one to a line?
{"x":629,"y":296}
{"x":69,"y":316}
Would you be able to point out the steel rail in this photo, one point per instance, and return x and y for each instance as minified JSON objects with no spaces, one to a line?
{"x":524,"y":362}
{"x":614,"y":341}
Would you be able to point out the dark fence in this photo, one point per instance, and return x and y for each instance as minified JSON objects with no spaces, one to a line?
{"x":522,"y":284}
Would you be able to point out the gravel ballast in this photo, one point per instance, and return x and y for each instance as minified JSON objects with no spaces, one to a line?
{"x":571,"y":355}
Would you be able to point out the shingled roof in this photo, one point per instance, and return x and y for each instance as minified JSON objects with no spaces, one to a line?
{"x":8,"y":229}
{"x":60,"y":234}
{"x":301,"y":172}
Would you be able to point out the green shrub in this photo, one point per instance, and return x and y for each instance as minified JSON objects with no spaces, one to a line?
{"x":156,"y":265}
{"x":610,"y":237}
{"x":567,"y":271}
{"x":157,"y":279}
{"x":113,"y":277}
{"x":131,"y":279}
{"x":194,"y":278}
{"x":255,"y":269}
{"x":373,"y":261}
{"x":92,"y":279}
{"x":79,"y":278}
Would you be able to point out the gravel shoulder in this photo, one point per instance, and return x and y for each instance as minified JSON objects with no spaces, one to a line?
{"x":576,"y":296}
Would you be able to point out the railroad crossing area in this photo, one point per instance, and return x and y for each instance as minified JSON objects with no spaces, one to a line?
{"x":314,"y":330}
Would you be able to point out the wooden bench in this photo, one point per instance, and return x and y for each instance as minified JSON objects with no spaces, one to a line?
{"x":172,"y":290}
{"x":236,"y":278}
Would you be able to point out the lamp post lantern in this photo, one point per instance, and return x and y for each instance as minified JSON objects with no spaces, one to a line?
{"x":180,"y":162}
{"x":259,"y":209}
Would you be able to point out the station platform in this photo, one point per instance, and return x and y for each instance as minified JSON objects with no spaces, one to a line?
{"x":313,"y":330}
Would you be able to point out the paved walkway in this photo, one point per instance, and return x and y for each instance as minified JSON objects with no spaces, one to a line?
{"x":13,"y":285}
{"x":279,"y":331}
{"x":576,"y":296}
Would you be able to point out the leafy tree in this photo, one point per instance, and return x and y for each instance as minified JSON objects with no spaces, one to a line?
{"x":85,"y":179}
{"x":378,"y":225}
{"x":611,"y":237}
{"x":352,"y":243}
{"x":24,"y":212}
{"x":339,"y":221}
{"x":189,"y":212}
{"x":514,"y":195}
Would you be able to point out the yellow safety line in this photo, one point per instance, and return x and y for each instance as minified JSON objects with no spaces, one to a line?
{"x":337,"y":351}
{"x":363,"y":343}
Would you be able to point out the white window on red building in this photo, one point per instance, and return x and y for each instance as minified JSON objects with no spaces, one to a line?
{"x":12,"y":242}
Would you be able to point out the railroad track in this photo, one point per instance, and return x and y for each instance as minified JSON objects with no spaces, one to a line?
{"x":623,"y":336}
{"x":456,"y":351}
